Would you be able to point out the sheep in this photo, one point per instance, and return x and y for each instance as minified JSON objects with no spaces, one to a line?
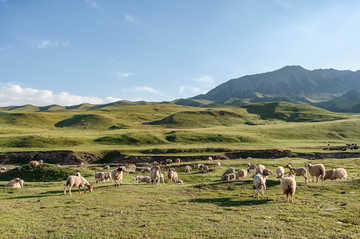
{"x":218,"y":164}
{"x":329,"y":174}
{"x":117,"y":175}
{"x":205,"y":169}
{"x":155,"y":175}
{"x":200,"y":166}
{"x":298,"y":172}
{"x":241,"y":174}
{"x":259,"y":169}
{"x":251,"y":167}
{"x":137,"y":178}
{"x":108,"y":176}
{"x":210,"y":159}
{"x":78,"y":173}
{"x":15,"y":183}
{"x":280,"y":171}
{"x":2,"y":170}
{"x":288,"y":186}
{"x":187,"y":169}
{"x":146,"y":169}
{"x":317,"y":170}
{"x":41,"y":161}
{"x":260,"y":182}
{"x":229,"y":170}
{"x":76,"y":181}
{"x":178,"y":160}
{"x":99,"y":176}
{"x":34,"y":164}
{"x":162,"y":178}
{"x":179,"y":181}
{"x":145,"y":179}
{"x":106,"y":167}
{"x":172,"y":175}
{"x":228,"y":177}
{"x":333,"y":174}
{"x":168,"y":161}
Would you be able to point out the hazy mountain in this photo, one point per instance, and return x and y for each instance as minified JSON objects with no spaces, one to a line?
{"x":291,"y":83}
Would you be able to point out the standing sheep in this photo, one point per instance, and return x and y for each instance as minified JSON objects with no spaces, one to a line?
{"x":75,"y":181}
{"x":251,"y":167}
{"x":241,"y":174}
{"x":200,"y":166}
{"x":218,"y":164}
{"x":187,"y":169}
{"x":99,"y":177}
{"x":172,"y":175}
{"x":117,"y":175}
{"x":155,"y":175}
{"x":34,"y":164}
{"x":280,"y":171}
{"x":298,"y":172}
{"x":210,"y":159}
{"x":168,"y":161}
{"x":317,"y":170}
{"x":205,"y":169}
{"x":178,"y":160}
{"x":15,"y":183}
{"x":260,"y":182}
{"x":259,"y":169}
{"x":288,"y":186}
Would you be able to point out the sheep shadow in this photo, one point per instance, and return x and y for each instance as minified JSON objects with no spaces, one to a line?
{"x":231,"y":202}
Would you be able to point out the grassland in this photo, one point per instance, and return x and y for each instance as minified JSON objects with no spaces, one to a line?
{"x":202,"y":207}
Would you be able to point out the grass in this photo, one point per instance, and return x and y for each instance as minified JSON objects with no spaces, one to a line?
{"x":202,"y":207}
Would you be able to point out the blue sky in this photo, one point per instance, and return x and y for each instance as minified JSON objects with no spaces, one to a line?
{"x":97,"y":51}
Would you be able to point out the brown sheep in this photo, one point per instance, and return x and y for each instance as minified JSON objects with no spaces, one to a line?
{"x":317,"y":170}
{"x":34,"y":164}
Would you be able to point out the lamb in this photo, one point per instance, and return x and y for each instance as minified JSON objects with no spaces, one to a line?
{"x":218,"y":164}
{"x":15,"y":183}
{"x":155,"y":175}
{"x":228,"y":177}
{"x":288,"y":186}
{"x":333,"y":174}
{"x":229,"y":170}
{"x":298,"y":172}
{"x":280,"y":171}
{"x":75,"y":181}
{"x":172,"y":175}
{"x":251,"y":167}
{"x":260,"y":182}
{"x":187,"y":169}
{"x":99,"y":176}
{"x":241,"y":174}
{"x":205,"y":169}
{"x":34,"y":164}
{"x":117,"y":175}
{"x":145,"y":179}
{"x":317,"y":170}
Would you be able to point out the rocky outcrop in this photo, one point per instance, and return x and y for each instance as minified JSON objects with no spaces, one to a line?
{"x":52,"y":157}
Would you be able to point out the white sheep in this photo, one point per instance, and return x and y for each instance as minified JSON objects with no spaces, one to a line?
{"x":138,"y":177}
{"x":169,"y":161}
{"x":280,"y":171}
{"x":298,"y":171}
{"x":187,"y":169}
{"x":155,"y":175}
{"x":2,"y":170}
{"x":218,"y":164}
{"x":117,"y":175}
{"x":145,"y":179}
{"x":108,"y":176}
{"x":333,"y":174}
{"x":260,"y":182}
{"x":259,"y":169}
{"x":178,"y":160}
{"x":317,"y":170}
{"x":210,"y":159}
{"x":172,"y":175}
{"x":15,"y":183}
{"x":75,"y":181}
{"x":251,"y":167}
{"x":78,"y":173}
{"x":200,"y":166}
{"x":205,"y":169}
{"x":288,"y":186}
{"x":99,"y":177}
{"x":241,"y":174}
{"x":106,"y":167}
{"x":228,"y":177}
{"x":162,"y":178}
{"x":229,"y":170}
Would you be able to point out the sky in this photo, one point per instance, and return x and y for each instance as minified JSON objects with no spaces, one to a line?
{"x":69,"y":52}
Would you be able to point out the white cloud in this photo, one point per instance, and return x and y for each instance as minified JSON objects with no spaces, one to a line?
{"x":13,"y":94}
{"x":48,"y":43}
{"x":123,"y":75}
{"x":130,"y":18}
{"x":147,"y":89}
{"x":200,"y":85}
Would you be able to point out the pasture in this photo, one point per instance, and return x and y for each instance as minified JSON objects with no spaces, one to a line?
{"x":202,"y":207}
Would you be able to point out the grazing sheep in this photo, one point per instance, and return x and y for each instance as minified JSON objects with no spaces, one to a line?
{"x":228,"y":177}
{"x":339,"y":173}
{"x":329,"y":174}
{"x":218,"y":164}
{"x":106,"y":167}
{"x":210,"y":159}
{"x":75,"y":181}
{"x":288,"y":187}
{"x":229,"y":170}
{"x":259,"y":169}
{"x":15,"y":183}
{"x":251,"y":167}
{"x":155,"y":175}
{"x":317,"y":170}
{"x":298,"y":172}
{"x":117,"y":175}
{"x":200,"y":166}
{"x":168,"y":161}
{"x":172,"y":175}
{"x":205,"y":169}
{"x":99,"y":177}
{"x":34,"y":164}
{"x":145,"y":179}
{"x":137,"y":178}
{"x":280,"y":171}
{"x":260,"y":182}
{"x":108,"y":176}
{"x":187,"y":169}
{"x":179,"y":181}
{"x":241,"y":174}
{"x":178,"y":160}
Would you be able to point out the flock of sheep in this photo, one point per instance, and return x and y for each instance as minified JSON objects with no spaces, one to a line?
{"x":287,"y":183}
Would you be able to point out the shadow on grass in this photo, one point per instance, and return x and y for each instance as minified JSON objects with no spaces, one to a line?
{"x":230,"y":202}
{"x":218,"y":184}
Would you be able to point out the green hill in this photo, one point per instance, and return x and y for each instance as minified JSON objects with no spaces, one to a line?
{"x":87,"y":121}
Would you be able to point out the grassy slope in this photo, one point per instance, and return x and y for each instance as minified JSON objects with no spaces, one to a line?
{"x":202,"y":207}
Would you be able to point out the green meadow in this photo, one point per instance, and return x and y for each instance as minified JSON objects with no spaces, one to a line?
{"x":203,"y":206}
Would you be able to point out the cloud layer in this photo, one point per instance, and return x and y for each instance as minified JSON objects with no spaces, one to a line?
{"x":13,"y":94}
